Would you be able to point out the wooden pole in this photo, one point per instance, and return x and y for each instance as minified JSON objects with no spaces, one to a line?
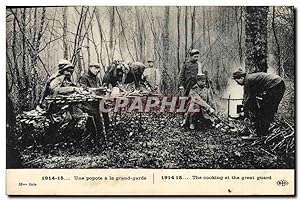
{"x":228,"y":109}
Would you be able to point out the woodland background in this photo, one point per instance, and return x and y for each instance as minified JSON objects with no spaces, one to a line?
{"x":255,"y":38}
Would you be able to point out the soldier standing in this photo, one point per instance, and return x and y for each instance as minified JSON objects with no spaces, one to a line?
{"x":189,"y":71}
{"x":151,"y":76}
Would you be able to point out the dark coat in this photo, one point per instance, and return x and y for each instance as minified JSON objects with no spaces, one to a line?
{"x":89,"y":80}
{"x":258,"y":83}
{"x":188,"y":74}
{"x":120,"y":75}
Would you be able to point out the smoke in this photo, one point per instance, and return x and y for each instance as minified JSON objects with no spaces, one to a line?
{"x":235,"y":91}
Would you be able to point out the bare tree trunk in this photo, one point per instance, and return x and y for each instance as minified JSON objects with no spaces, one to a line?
{"x":35,"y":59}
{"x":256,"y":39}
{"x":88,"y":45}
{"x":178,"y":38}
{"x":11,"y":72}
{"x":14,"y":54}
{"x":49,"y":52}
{"x":76,"y":58}
{"x":124,"y":34}
{"x":165,"y":47}
{"x":26,"y":79}
{"x":280,"y":69}
{"x":239,"y":24}
{"x":99,"y":60}
{"x":136,"y":49}
{"x":209,"y":39}
{"x":203,"y":22}
{"x":155,"y":38}
{"x":111,"y":32}
{"x":193,"y":26}
{"x":121,"y":42}
{"x":186,"y":30}
{"x":34,"y":26}
{"x":65,"y":28}
{"x":102,"y":36}
{"x":140,"y":35}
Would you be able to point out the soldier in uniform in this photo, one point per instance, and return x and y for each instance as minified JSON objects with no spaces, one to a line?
{"x":151,"y":76}
{"x":262,"y":95}
{"x":87,"y":81}
{"x":90,"y":79}
{"x":200,"y":95}
{"x":61,"y":84}
{"x":189,"y":71}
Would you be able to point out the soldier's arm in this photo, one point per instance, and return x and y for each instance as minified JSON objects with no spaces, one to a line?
{"x":56,"y":88}
{"x":83,"y":82}
{"x":199,"y":101}
{"x":66,"y":90}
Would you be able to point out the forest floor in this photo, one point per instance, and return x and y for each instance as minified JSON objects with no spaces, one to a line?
{"x":158,"y":142}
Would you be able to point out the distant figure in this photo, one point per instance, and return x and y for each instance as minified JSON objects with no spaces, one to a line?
{"x":151,"y":77}
{"x":114,"y":74}
{"x":120,"y":73}
{"x":202,"y":99}
{"x":189,"y":71}
{"x":262,"y":95}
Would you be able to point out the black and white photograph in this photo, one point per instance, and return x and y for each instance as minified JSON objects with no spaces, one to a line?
{"x":150,"y":87}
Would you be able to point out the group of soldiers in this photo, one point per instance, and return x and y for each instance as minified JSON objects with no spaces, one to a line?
{"x":193,"y":82}
{"x":117,"y":75}
{"x":262,"y":95}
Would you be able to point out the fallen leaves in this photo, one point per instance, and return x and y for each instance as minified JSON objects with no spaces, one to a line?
{"x":154,"y":141}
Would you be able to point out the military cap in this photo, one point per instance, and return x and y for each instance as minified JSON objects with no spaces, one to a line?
{"x":64,"y":64}
{"x":238,"y":74}
{"x":94,"y":65}
{"x":201,"y":76}
{"x":194,"y":51}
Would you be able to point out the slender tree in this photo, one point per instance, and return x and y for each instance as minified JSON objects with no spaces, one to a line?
{"x":165,"y":46}
{"x":111,"y":32}
{"x":178,"y":38}
{"x":280,"y":70}
{"x":239,"y":31}
{"x":186,"y":30}
{"x":193,"y":16}
{"x":65,"y":29}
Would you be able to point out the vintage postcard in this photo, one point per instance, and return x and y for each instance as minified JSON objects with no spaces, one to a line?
{"x":150,"y":100}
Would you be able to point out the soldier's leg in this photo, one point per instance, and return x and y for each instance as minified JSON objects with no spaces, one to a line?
{"x":50,"y":135}
{"x":100,"y":135}
{"x":185,"y":120}
{"x":270,"y":106}
{"x":276,"y":95}
{"x":105,"y":116}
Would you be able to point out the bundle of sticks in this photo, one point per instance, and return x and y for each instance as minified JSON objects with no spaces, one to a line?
{"x":281,"y":137}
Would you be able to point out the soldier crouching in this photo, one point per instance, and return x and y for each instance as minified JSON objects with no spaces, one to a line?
{"x":202,"y":100}
{"x":64,"y":113}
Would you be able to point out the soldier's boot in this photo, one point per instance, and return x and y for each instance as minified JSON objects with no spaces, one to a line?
{"x":185,"y":120}
{"x":192,"y":126}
